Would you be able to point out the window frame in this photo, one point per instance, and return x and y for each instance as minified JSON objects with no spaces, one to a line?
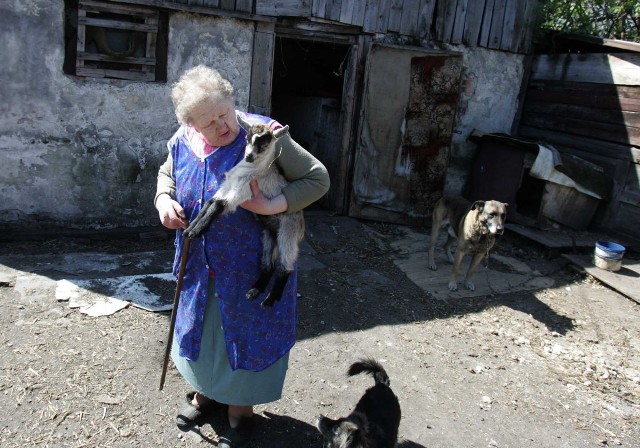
{"x":98,"y":17}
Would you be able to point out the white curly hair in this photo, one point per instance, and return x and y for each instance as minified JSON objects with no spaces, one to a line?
{"x":196,"y":85}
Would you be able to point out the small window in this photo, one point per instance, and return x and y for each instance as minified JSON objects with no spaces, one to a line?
{"x":110,"y":40}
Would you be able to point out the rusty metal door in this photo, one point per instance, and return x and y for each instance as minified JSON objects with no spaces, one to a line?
{"x":406,"y":124}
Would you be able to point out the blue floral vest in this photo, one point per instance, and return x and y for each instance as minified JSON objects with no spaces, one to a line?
{"x":255,"y":338}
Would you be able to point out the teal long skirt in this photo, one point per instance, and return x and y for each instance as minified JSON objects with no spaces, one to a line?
{"x":211,"y":373}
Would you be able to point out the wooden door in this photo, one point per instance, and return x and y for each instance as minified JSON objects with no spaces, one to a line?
{"x":406,"y":124}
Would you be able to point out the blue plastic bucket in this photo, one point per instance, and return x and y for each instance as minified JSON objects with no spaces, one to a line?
{"x":609,"y":250}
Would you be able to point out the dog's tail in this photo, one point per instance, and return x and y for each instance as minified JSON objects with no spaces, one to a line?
{"x":372,"y":367}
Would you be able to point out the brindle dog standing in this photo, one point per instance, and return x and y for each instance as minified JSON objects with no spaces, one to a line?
{"x":475,"y":226}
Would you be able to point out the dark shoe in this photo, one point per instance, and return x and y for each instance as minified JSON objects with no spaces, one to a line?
{"x":190,"y":413}
{"x":238,"y":437}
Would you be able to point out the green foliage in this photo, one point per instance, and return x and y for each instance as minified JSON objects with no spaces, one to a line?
{"x":610,"y":19}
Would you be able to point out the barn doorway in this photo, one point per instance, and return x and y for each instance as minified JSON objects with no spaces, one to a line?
{"x":308,"y":90}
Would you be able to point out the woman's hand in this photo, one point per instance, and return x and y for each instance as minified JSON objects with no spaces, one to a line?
{"x":263,"y":206}
{"x":171,"y":213}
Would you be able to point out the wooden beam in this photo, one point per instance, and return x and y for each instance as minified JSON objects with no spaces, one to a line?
{"x":205,"y":10}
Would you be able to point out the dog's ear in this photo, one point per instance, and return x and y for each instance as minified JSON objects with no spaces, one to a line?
{"x":478,"y":205}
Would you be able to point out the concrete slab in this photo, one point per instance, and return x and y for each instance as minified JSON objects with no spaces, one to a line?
{"x":410,"y":256}
{"x":626,"y":281}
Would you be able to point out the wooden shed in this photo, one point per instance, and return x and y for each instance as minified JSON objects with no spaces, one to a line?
{"x":583,"y":97}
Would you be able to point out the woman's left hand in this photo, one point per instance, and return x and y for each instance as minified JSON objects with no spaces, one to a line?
{"x":261,"y":205}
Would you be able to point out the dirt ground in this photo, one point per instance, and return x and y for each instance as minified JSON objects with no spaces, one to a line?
{"x":557,"y":367}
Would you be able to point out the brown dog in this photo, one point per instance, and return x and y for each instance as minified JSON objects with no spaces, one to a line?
{"x":475,"y":226}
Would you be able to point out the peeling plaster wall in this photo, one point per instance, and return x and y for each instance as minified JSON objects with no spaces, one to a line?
{"x":82,"y":152}
{"x":488,"y":101}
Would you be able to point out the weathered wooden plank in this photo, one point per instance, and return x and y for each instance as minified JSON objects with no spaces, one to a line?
{"x":552,"y":240}
{"x":346,"y":11}
{"x":582,"y":88}
{"x":80,"y":39}
{"x":603,"y":131}
{"x":357,"y":18}
{"x":395,"y":16}
{"x":584,"y":143}
{"x":211,"y":3}
{"x":376,"y":16}
{"x":333,"y":10}
{"x":458,"y":24}
{"x":304,"y":33}
{"x":116,"y":24}
{"x":229,"y":5}
{"x":619,"y":68}
{"x":210,"y":9}
{"x":612,"y":116}
{"x":348,"y":123}
{"x":291,"y":8}
{"x":473,"y":22}
{"x":513,"y":10}
{"x":118,"y":74}
{"x":425,"y":18}
{"x":262,"y":69}
{"x":626,"y":281}
{"x":319,"y":9}
{"x":529,"y":22}
{"x":328,"y":29}
{"x":90,"y":5}
{"x":150,"y":51}
{"x":106,"y":58}
{"x":497,"y":20}
{"x":244,"y":5}
{"x":445,"y":20}
{"x":487,"y":18}
{"x":196,"y":2}
{"x":410,"y":16}
{"x":600,"y":100}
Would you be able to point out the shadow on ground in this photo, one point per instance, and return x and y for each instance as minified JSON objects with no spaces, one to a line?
{"x":273,"y":431}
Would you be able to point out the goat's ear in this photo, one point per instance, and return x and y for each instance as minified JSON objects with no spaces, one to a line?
{"x":280,"y":132}
{"x":244,"y":123}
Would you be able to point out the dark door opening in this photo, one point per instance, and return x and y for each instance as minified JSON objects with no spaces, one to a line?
{"x":308,"y":81}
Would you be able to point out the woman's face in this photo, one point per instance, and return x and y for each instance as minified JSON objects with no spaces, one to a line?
{"x":216,"y":121}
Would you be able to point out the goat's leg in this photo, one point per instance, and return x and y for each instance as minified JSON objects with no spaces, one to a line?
{"x":266,"y":266}
{"x":278,"y":288}
{"x":211,"y":210}
{"x":289,"y":236}
{"x":261,"y":284}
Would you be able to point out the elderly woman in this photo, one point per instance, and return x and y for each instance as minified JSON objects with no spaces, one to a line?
{"x":233,"y":353}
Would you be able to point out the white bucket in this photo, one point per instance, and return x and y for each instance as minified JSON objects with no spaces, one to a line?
{"x":608,"y":255}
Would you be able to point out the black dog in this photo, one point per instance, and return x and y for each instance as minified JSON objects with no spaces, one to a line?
{"x":375,"y":420}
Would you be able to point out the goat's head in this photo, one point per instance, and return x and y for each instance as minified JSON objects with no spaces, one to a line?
{"x":261,"y":140}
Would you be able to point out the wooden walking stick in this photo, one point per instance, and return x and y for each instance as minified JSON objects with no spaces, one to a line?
{"x":174,"y":311}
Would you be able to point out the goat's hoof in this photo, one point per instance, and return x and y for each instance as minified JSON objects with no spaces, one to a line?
{"x":433,"y":267}
{"x":252,"y":293}
{"x":469,"y":285}
{"x":192,"y":232}
{"x":268,"y":302}
{"x":453,"y":286}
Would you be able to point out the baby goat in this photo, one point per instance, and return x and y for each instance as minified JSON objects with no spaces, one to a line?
{"x":282,"y":233}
